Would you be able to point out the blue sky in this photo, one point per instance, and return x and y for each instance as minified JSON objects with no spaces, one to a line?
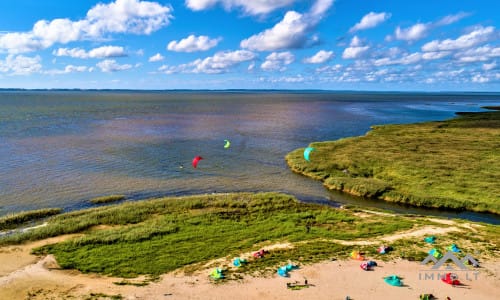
{"x":437,"y":45}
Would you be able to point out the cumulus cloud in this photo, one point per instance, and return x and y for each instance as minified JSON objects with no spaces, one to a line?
{"x":490,"y":66}
{"x":221,"y":62}
{"x":156,"y":57}
{"x":293,"y":32}
{"x":100,"y":52}
{"x":277,"y":61}
{"x":320,"y":57}
{"x":110,"y":65}
{"x":473,"y":38}
{"x":413,"y":33}
{"x":193,"y":43}
{"x":355,"y":49}
{"x":435,"y":55}
{"x":330,"y":69}
{"x":69,"y":69}
{"x":20,"y":65}
{"x":121,"y":16}
{"x":479,"y":78}
{"x":450,"y":19}
{"x":370,"y":20}
{"x":483,"y":53}
{"x":252,"y":7}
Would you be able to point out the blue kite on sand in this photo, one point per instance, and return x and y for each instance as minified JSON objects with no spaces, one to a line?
{"x":283,"y":271}
{"x":393,"y":280}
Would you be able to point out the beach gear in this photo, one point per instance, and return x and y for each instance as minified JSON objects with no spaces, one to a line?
{"x":217,"y":274}
{"x":238,"y":262}
{"x":196,"y":159}
{"x":307,"y":152}
{"x":393,"y":280}
{"x":453,"y":248}
{"x":260,"y":253}
{"x":426,"y":297}
{"x":451,"y":278}
{"x":227,"y":144}
{"x":367,"y":266}
{"x":384,"y":249}
{"x":364,"y":266}
{"x":430,"y":239}
{"x":436,"y":253}
{"x":283,"y":271}
{"x":296,"y":286}
{"x":357,"y":255}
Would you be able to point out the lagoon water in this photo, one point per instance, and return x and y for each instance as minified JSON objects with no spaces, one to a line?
{"x":61,"y":148}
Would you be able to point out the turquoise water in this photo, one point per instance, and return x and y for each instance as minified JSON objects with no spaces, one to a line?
{"x":61,"y":148}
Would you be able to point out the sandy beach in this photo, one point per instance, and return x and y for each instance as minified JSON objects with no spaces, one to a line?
{"x":25,"y":276}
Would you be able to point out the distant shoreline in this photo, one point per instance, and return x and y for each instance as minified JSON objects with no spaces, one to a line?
{"x":388,"y":92}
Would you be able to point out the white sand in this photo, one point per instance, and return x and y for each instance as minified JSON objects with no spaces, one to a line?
{"x":23,"y":274}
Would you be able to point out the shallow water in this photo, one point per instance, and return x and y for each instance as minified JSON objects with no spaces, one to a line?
{"x":61,"y":148}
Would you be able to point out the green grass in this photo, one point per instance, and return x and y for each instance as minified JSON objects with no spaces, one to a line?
{"x":162,"y":235}
{"x":157,"y":236}
{"x":107,"y":199}
{"x":19,"y":219}
{"x":454,"y":164}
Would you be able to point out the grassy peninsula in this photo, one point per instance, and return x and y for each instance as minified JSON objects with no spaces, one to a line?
{"x":453,"y":164}
{"x":153,"y":237}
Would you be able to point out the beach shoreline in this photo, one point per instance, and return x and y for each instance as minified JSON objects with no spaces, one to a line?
{"x":31,"y":277}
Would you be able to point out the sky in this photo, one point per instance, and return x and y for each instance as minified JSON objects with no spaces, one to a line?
{"x":379,"y":45}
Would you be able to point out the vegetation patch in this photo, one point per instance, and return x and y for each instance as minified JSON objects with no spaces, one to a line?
{"x":454,"y":164}
{"x":19,"y":219}
{"x":107,"y":199}
{"x":194,"y":233}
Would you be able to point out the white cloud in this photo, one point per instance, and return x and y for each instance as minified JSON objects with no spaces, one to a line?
{"x":100,"y":52}
{"x":370,"y":20}
{"x":156,"y":57}
{"x":20,"y":65}
{"x":121,"y":16}
{"x":355,"y":50}
{"x":221,"y":62}
{"x":287,"y":79}
{"x":407,"y":59}
{"x":277,"y":61}
{"x":490,"y":66}
{"x":479,"y":78}
{"x":330,"y":69}
{"x":193,"y":43}
{"x":69,"y":69}
{"x":413,"y":33}
{"x":320,"y":57}
{"x":450,"y":19}
{"x":127,"y":16}
{"x":435,"y":55}
{"x":483,"y":53}
{"x":471,"y":39}
{"x":110,"y":65}
{"x":252,"y":7}
{"x":293,"y":32}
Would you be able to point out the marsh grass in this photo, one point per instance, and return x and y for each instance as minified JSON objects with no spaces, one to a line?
{"x":19,"y":219}
{"x":107,"y":199}
{"x":153,"y":237}
{"x":158,"y":236}
{"x":454,"y":164}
